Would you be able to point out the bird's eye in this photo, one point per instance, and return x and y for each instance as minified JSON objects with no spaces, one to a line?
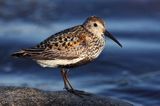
{"x":95,"y":25}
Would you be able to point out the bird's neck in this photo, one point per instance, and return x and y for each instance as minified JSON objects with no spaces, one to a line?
{"x":96,"y":46}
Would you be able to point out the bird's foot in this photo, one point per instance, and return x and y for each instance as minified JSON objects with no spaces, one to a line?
{"x":78,"y":92}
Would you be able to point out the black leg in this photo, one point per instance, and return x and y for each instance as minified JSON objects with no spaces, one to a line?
{"x":64,"y":79}
{"x":68,"y":86}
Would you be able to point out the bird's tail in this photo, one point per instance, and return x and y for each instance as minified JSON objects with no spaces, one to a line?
{"x":21,"y":53}
{"x":32,"y":52}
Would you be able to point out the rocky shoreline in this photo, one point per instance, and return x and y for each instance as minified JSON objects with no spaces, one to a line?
{"x":22,"y":96}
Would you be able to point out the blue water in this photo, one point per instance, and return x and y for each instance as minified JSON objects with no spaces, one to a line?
{"x":130,"y":73}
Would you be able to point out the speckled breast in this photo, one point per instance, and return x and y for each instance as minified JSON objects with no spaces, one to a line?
{"x":94,"y":49}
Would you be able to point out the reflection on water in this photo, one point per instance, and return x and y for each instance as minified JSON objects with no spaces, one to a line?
{"x":131,"y":73}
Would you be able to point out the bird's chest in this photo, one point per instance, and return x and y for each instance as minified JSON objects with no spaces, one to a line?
{"x":96,"y":46}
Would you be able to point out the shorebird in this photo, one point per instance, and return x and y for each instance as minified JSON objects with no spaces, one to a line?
{"x":72,"y":47}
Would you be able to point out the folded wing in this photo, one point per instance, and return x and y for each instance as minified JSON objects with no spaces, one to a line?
{"x":68,"y":44}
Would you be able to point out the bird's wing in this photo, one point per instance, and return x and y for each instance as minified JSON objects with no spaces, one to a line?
{"x":68,"y":44}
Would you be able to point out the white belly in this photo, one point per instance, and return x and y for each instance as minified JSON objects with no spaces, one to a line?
{"x":57,"y":62}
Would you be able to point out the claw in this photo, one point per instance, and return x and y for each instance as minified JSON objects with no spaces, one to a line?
{"x":78,"y":92}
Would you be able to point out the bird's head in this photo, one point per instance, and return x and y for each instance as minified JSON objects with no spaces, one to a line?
{"x":96,"y":26}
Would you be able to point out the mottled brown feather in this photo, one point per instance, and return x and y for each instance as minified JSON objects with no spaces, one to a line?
{"x":61,"y":45}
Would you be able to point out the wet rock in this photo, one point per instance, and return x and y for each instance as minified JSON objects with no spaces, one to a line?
{"x":16,"y":96}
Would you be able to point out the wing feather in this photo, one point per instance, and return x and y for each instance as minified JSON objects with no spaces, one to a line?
{"x":68,"y":44}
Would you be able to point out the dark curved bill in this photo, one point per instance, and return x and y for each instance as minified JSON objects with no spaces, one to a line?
{"x":112,"y":37}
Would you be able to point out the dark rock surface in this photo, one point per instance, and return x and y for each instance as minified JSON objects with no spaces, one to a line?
{"x":17,"y":96}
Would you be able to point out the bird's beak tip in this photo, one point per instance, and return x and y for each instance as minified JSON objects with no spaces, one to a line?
{"x":113,"y":38}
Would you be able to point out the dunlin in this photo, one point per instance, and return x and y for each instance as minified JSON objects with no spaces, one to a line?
{"x":72,"y":47}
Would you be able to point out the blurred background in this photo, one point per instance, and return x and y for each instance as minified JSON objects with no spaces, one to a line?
{"x":131,"y":73}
